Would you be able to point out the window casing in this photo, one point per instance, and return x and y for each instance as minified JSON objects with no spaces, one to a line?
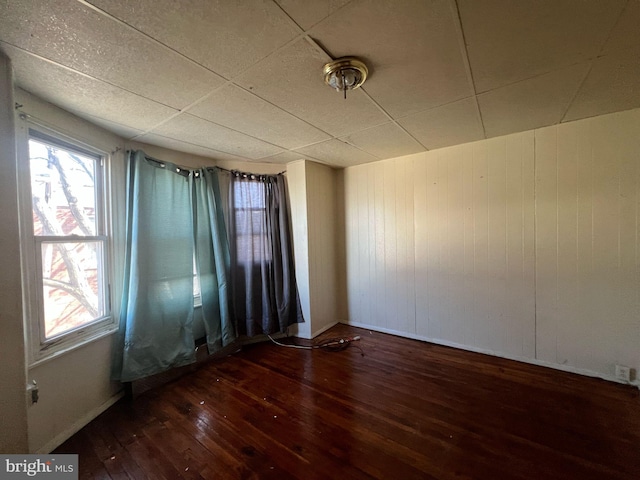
{"x":66,"y":246}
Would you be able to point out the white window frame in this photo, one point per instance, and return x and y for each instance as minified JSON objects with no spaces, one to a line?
{"x":42,"y":349}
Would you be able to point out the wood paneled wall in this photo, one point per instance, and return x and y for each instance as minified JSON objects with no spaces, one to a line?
{"x":524,"y":245}
{"x":588,"y":273}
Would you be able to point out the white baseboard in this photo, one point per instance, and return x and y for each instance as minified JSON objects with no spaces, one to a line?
{"x":76,"y":426}
{"x":532,"y":361}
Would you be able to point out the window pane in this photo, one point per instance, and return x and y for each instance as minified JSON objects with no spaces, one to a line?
{"x":249,"y":194}
{"x":63,"y":190}
{"x":73,"y":290}
{"x":250,"y":222}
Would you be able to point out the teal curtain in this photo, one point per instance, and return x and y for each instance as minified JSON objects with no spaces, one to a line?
{"x":212,"y":259}
{"x":234,"y":230}
{"x":157,"y":304}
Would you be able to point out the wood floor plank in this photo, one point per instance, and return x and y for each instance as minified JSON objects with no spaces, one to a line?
{"x":405,"y":409}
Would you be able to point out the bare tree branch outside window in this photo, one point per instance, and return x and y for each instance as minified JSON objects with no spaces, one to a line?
{"x":64,"y":213}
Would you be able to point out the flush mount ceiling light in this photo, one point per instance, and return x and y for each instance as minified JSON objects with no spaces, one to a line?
{"x":346,"y":73}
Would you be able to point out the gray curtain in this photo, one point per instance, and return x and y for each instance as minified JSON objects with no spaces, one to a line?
{"x":264,"y":295}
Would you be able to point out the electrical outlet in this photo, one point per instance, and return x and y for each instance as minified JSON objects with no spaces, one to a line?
{"x":623,"y":373}
{"x":32,"y":390}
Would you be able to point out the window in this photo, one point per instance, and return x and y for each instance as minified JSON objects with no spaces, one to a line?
{"x":68,"y":255}
{"x":249,"y":197}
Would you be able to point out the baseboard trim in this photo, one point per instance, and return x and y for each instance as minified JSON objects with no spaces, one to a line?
{"x":532,"y":361}
{"x":76,"y":426}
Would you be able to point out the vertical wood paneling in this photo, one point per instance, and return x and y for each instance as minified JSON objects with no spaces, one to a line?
{"x":369,"y":215}
{"x":520,"y":332}
{"x":588,"y":290}
{"x":363,"y":240}
{"x":454,"y":269}
{"x":445,"y":225}
{"x":546,"y":246}
{"x":525,"y":245}
{"x":353,"y":211}
{"x":567,"y":236}
{"x":480,"y":287}
{"x":409,"y":255}
{"x":404,"y":313}
{"x":585,"y":272}
{"x":433,"y":242}
{"x":467,"y":294}
{"x":390,"y":294}
{"x":497,"y":244}
{"x":381,"y":294}
{"x":420,"y":244}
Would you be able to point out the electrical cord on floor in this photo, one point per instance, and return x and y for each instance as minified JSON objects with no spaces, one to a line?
{"x":331,"y":344}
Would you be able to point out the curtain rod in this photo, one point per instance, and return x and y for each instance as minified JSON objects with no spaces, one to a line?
{"x":64,"y":134}
{"x":246,"y":174}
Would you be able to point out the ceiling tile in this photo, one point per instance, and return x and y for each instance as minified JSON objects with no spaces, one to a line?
{"x":307,"y":14}
{"x":186,"y":147}
{"x":613,"y":84}
{"x":225,"y":36}
{"x":532,"y":103}
{"x":450,"y":124}
{"x":200,"y":132}
{"x":384,"y":141}
{"x":78,"y":37}
{"x":508,"y":41}
{"x":284,"y":157}
{"x":115,"y":127}
{"x":240,"y":110}
{"x":626,"y":33}
{"x":84,"y":96}
{"x":124,"y":66}
{"x":412,"y":48}
{"x":337,"y":153}
{"x":292,"y":79}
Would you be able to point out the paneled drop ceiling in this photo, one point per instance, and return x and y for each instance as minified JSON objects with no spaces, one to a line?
{"x":242,"y":80}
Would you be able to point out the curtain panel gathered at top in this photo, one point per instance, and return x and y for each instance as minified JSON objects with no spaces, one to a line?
{"x":156,"y":316}
{"x":212,"y":260}
{"x":229,"y":229}
{"x":263,"y":291}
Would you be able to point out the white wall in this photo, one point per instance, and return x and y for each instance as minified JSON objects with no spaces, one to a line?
{"x":317,"y":239}
{"x":523,"y":246}
{"x":297,"y":185}
{"x":587,"y":230}
{"x":75,"y":387}
{"x":13,"y":404}
{"x":324,"y":274}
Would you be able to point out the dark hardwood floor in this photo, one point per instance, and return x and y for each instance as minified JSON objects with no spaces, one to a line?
{"x":404,"y":410}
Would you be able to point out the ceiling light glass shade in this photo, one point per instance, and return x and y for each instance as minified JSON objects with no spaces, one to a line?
{"x":345,"y":73}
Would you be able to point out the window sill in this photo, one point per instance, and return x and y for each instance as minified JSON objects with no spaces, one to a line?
{"x":44,"y":356}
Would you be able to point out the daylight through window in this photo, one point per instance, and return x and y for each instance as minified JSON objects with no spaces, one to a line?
{"x":69,"y":236}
